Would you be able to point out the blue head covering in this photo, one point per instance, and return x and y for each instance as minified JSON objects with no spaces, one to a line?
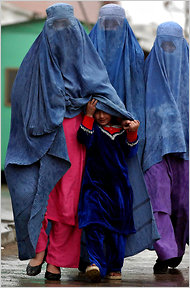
{"x":167,"y":95}
{"x":56,"y":79}
{"x":123,"y":57}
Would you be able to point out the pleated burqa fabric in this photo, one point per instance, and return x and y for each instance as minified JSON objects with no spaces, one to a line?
{"x":167,"y":96}
{"x":123,"y":57}
{"x":58,"y":76}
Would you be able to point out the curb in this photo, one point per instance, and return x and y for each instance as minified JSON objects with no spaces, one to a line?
{"x":8,"y":233}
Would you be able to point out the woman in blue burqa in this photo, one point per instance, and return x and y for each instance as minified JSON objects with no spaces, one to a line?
{"x":123,"y":58}
{"x":166,"y":153}
{"x":58,"y":76}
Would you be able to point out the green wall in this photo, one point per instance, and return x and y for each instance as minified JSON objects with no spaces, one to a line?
{"x":15,"y":43}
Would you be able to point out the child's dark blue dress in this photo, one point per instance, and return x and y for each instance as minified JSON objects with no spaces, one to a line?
{"x":106,"y":194}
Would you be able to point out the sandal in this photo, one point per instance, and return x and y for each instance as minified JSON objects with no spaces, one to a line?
{"x":114,"y":276}
{"x":93,"y":273}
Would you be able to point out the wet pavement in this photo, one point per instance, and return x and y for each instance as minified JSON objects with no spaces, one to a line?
{"x":137,"y":272}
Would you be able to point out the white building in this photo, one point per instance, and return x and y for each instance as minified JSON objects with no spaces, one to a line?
{"x":145,"y":16}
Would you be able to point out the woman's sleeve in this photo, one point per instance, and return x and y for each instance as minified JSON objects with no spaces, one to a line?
{"x":85,"y":133}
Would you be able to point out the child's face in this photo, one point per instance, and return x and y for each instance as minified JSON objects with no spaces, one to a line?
{"x":102,"y":117}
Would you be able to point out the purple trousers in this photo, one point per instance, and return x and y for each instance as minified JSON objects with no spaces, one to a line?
{"x":168,"y":187}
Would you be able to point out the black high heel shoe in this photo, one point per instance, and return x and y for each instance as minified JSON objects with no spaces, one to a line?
{"x":52,"y":276}
{"x":174,"y":262}
{"x":35,"y":270}
{"x":161,"y":267}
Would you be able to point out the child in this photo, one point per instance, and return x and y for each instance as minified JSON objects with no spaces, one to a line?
{"x":106,"y":200}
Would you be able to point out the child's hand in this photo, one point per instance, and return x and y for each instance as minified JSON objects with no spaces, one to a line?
{"x":130,"y":126}
{"x":91,"y":107}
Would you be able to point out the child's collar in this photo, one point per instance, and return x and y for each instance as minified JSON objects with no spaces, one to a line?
{"x":113,"y":126}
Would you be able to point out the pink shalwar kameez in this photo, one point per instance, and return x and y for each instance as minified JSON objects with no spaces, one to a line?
{"x":64,"y":238}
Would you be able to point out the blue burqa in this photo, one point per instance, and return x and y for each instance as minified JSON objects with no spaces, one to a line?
{"x":58,"y":76}
{"x":123,"y":57}
{"x":167,"y":96}
{"x":56,"y":79}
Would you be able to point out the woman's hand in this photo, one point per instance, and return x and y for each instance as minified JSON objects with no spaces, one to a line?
{"x":91,"y":107}
{"x":130,"y":126}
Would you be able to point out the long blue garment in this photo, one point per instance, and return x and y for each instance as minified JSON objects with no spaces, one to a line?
{"x":106,"y":195}
{"x":123,"y":57}
{"x":124,"y":61}
{"x":57,"y":77}
{"x":167,"y":96}
{"x":145,"y":225}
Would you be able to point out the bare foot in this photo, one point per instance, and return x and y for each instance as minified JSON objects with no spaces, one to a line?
{"x":38,"y":259}
{"x":53,"y":269}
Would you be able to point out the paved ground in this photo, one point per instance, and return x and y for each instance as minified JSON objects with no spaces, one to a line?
{"x":137,"y":272}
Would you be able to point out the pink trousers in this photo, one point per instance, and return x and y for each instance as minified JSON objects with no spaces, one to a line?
{"x":62,"y":237}
{"x":65,"y":236}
